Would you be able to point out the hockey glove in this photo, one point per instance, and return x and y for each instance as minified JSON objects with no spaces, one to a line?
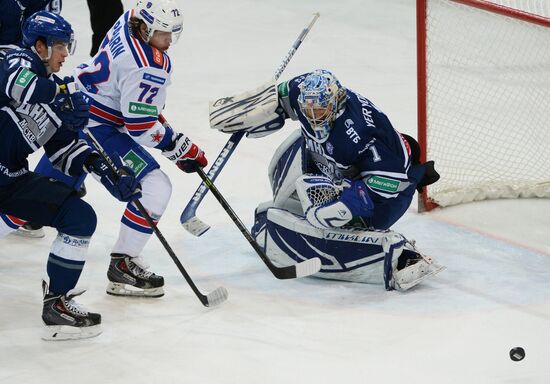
{"x":356,"y":198}
{"x":124,"y":186}
{"x":256,"y":112}
{"x":185,"y":154}
{"x":72,"y":109}
{"x":430,"y":176}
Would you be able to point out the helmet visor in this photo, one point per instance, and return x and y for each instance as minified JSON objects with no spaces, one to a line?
{"x":176,"y":32}
{"x":69,"y":45}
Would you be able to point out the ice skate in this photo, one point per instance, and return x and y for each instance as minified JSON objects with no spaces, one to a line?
{"x":128,"y":276}
{"x":412,"y":268}
{"x":65,"y":319}
{"x":31,"y":230}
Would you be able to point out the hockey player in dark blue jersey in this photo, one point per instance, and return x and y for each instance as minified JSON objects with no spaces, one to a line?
{"x":14,"y":12}
{"x":339,"y":185}
{"x":38,"y":109}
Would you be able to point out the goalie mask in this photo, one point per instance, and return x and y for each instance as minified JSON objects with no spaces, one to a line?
{"x":160,"y":15}
{"x":321,"y":97}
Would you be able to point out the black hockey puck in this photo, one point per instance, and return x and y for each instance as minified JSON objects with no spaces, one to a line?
{"x":517,"y":354}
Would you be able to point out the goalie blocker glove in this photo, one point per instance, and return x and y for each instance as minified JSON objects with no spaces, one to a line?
{"x":185,"y":154}
{"x":122,"y":185}
{"x":257,"y":112}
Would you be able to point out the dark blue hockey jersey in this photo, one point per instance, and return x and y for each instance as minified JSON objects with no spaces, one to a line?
{"x":28,"y":122}
{"x":362,"y":143}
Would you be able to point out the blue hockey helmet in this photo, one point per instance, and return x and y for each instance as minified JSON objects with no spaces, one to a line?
{"x":52,"y":28}
{"x":321,"y":97}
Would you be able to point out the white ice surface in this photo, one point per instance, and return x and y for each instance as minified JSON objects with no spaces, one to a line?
{"x":455,"y":328}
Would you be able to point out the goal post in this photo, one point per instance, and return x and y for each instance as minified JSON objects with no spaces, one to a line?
{"x":484,"y":98}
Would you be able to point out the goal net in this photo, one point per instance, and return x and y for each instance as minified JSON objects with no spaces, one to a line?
{"x":484,"y":98}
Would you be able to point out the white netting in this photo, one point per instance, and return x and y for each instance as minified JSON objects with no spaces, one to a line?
{"x":488,"y":103}
{"x":537,"y":7}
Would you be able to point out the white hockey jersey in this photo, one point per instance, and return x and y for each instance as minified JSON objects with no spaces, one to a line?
{"x":127,"y":81}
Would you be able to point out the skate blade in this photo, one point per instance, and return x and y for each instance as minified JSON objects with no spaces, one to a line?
{"x":120,"y":289}
{"x":66,"y":332}
{"x":434,"y":270}
{"x":30,"y":233}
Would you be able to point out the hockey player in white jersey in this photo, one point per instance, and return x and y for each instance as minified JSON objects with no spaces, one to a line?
{"x":127,"y":81}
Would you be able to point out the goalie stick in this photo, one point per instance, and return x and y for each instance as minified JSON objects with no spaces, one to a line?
{"x":217,"y":296}
{"x":304,"y":268}
{"x":188,"y":218}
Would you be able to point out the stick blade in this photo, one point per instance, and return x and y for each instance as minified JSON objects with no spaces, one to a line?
{"x":216,"y":297}
{"x":305,"y":268}
{"x":195,"y":226}
{"x":308,"y":267}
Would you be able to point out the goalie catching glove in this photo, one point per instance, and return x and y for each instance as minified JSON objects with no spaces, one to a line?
{"x":324,"y":206}
{"x":256,"y":112}
{"x":185,"y":154}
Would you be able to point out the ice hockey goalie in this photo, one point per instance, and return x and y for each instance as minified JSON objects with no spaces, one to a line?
{"x":304,"y":220}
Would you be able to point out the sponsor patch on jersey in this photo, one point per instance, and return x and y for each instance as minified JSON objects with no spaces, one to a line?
{"x":134,"y":161}
{"x":153,"y":78}
{"x":282,"y":89}
{"x":24,"y":78}
{"x":143,"y":109}
{"x":383,"y":184}
{"x":157,"y":56}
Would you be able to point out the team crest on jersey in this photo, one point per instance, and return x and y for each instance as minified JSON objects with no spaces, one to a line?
{"x":134,"y":161}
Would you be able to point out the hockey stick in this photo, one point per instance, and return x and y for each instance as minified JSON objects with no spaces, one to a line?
{"x":304,"y":268}
{"x":217,"y":296}
{"x":188,"y":218}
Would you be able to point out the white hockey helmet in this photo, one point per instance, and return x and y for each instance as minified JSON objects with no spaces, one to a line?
{"x":160,"y":15}
{"x":321,"y":97}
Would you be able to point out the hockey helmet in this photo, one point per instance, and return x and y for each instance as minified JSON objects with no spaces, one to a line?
{"x":321,"y":97}
{"x":160,"y":15}
{"x":49,"y":26}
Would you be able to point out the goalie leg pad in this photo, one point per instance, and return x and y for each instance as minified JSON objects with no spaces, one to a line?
{"x":284,"y":169}
{"x":363,"y":256}
{"x":348,"y":255}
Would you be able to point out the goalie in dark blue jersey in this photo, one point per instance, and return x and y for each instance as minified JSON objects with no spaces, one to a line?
{"x":38,"y":109}
{"x":339,"y":184}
